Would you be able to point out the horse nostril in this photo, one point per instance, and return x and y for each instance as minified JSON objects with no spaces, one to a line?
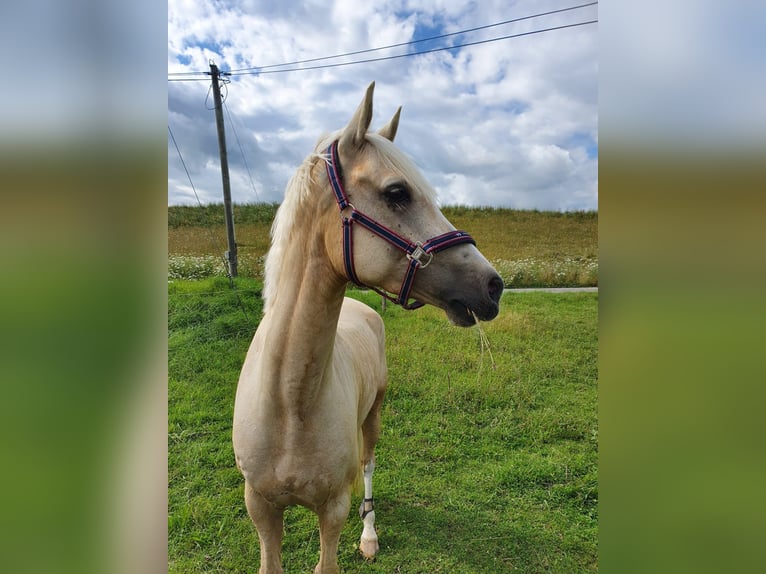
{"x":495,"y":288}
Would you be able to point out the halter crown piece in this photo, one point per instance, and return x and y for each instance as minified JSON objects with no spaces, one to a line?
{"x":419,"y":255}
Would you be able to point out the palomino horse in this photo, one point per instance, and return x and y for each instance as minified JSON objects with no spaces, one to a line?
{"x":307,"y":412}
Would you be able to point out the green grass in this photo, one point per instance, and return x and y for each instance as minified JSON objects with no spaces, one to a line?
{"x":212,"y":214}
{"x":528,"y":248}
{"x":481,"y":468}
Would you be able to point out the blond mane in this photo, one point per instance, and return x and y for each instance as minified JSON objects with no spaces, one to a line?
{"x":297,"y":193}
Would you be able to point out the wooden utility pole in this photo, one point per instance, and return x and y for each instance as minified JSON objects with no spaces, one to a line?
{"x":231,"y":254}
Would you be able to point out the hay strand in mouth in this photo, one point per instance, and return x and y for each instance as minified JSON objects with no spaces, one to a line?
{"x":484,"y":342}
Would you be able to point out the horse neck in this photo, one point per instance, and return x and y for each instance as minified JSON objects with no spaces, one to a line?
{"x":302,"y":313}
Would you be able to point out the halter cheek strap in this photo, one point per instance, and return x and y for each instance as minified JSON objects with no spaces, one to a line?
{"x":419,"y":255}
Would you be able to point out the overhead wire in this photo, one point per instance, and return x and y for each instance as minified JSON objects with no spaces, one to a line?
{"x":441,"y":49}
{"x":213,"y":241}
{"x":183,"y":163}
{"x":412,"y":42}
{"x":254,"y":70}
{"x":188,"y":79}
{"x":242,"y":151}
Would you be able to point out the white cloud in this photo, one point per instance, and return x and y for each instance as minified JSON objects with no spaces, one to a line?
{"x":509,"y":123}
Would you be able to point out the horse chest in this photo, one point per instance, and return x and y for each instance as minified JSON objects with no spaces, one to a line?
{"x":295,"y":459}
{"x":295,"y":467}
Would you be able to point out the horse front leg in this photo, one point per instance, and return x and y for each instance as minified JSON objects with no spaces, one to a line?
{"x":368,"y":545}
{"x":269,"y":524}
{"x":332,"y":517}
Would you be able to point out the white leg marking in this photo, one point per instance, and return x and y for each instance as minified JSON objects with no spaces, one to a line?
{"x":369,"y":468}
{"x":368,"y":545}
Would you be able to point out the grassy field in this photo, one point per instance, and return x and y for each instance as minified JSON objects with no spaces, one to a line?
{"x":482,"y":467}
{"x":528,"y":248}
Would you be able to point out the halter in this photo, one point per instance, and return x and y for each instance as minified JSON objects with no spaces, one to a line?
{"x":419,"y":255}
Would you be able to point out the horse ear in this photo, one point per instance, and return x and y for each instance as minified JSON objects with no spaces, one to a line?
{"x":353,"y":134}
{"x":388,"y":131}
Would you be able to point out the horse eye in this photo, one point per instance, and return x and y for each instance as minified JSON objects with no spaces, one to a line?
{"x":397,"y":196}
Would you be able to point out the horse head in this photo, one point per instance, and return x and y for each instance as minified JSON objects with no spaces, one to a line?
{"x":395,"y":237}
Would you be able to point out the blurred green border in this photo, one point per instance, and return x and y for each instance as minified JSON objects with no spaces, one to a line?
{"x":681,"y":369}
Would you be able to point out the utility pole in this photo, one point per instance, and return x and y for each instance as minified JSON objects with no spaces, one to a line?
{"x":231,"y":254}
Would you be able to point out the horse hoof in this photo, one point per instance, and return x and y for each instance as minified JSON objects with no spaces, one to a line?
{"x":369,"y":547}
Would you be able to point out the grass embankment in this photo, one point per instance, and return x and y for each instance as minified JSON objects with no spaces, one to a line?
{"x":481,"y":468}
{"x":528,"y":248}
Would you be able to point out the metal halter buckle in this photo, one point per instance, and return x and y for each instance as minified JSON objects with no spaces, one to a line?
{"x":418,"y":253}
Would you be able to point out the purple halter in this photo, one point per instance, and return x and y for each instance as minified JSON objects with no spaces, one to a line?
{"x":420,"y":255}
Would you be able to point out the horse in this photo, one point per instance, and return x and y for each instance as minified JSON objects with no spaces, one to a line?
{"x":308,"y":402}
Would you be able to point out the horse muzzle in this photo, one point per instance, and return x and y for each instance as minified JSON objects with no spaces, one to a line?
{"x":465,"y":305}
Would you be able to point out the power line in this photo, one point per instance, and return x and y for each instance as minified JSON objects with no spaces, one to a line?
{"x":258,"y":69}
{"x":232,"y":285}
{"x":242,"y":151}
{"x":412,"y":42}
{"x":336,"y":65}
{"x":183,"y":163}
{"x":187,"y":73}
{"x":213,"y":240}
{"x":187,"y":79}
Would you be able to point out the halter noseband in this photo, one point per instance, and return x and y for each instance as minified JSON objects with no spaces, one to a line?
{"x":419,"y":255}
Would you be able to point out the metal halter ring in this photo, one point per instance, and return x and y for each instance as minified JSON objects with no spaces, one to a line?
{"x":418,"y":253}
{"x":349,"y":206}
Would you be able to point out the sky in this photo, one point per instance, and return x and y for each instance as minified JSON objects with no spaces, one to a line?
{"x":508,"y":123}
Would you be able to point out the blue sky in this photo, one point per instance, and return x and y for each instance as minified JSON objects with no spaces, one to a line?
{"x":509,"y":123}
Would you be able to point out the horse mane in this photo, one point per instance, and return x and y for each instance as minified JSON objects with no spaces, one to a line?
{"x":298,"y":195}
